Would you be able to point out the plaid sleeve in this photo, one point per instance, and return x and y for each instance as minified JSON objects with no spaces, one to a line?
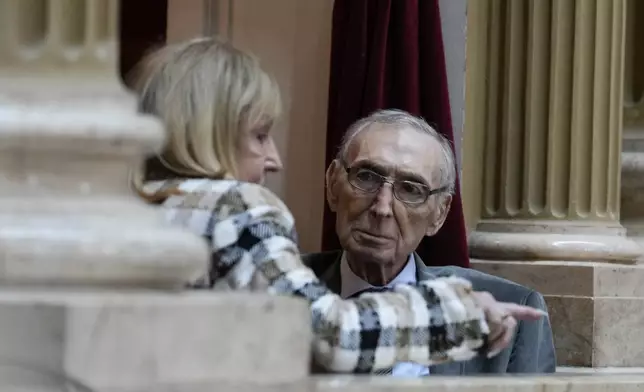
{"x":253,"y":243}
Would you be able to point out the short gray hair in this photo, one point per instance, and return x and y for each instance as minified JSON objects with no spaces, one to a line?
{"x":399,"y":119}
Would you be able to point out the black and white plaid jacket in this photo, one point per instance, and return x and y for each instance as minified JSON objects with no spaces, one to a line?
{"x":254,"y":246}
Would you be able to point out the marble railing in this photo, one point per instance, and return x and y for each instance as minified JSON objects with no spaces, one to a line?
{"x":546,"y":383}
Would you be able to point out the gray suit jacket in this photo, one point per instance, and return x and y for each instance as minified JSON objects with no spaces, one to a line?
{"x":532,"y":351}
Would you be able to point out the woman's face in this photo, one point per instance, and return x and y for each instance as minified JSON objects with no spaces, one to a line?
{"x":257,"y":155}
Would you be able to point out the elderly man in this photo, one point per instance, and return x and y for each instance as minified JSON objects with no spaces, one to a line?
{"x":392,"y":184}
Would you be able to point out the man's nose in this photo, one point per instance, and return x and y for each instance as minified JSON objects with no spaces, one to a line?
{"x":382,"y":204}
{"x":273,"y":161}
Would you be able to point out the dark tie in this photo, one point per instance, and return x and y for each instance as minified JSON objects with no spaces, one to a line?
{"x":371,"y":290}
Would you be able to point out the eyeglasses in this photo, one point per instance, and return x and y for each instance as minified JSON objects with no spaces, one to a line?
{"x":408,"y":192}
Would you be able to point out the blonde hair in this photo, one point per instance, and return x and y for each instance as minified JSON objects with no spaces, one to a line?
{"x":206,"y":92}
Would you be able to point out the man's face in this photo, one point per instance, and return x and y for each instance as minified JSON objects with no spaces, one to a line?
{"x":377,"y":227}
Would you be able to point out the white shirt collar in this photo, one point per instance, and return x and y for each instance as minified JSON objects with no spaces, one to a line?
{"x":351,"y":283}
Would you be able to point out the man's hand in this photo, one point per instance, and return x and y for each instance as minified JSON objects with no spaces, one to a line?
{"x":502,"y":319}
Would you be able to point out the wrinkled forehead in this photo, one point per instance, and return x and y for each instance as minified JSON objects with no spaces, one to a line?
{"x":398,"y":149}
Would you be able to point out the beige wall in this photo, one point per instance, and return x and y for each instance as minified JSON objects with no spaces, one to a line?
{"x":293,"y":40}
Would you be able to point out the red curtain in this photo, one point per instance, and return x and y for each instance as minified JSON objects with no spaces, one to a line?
{"x":143,"y":25}
{"x":389,"y":54}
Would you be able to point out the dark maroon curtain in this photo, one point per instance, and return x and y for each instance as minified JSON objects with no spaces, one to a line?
{"x":389,"y":54}
{"x":143,"y":26}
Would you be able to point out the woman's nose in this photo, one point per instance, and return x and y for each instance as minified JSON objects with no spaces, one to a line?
{"x":273,"y":161}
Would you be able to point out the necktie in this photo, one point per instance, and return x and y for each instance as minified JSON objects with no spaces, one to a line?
{"x":371,"y":290}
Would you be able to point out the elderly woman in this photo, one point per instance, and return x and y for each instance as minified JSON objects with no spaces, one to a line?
{"x":218,"y":106}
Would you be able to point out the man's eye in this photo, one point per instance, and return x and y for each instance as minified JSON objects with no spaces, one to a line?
{"x":411,"y":188}
{"x":367,"y":176}
{"x":262,"y":137}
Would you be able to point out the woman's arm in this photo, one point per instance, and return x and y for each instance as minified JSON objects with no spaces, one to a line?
{"x":253,"y":244}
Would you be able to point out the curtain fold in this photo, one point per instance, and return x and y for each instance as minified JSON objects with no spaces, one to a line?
{"x":390,"y":54}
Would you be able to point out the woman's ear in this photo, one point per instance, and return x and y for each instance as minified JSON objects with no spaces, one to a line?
{"x":439,"y":216}
{"x":331,"y":182}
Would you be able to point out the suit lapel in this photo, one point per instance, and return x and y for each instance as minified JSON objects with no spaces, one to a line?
{"x":331,"y":277}
{"x":424,"y":272}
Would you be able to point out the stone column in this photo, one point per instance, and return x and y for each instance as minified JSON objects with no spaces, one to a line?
{"x":551,"y":200}
{"x":90,"y":276}
{"x":553,"y":133}
{"x":632,"y":213}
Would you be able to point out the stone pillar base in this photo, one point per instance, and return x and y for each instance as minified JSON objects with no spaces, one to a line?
{"x":127,"y":342}
{"x":552,"y":240}
{"x":596,"y":309}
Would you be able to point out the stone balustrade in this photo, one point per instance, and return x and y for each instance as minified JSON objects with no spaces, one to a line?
{"x":551,"y":383}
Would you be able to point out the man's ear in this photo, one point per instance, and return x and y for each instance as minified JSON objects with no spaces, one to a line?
{"x":331,"y":181}
{"x":440,"y":215}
